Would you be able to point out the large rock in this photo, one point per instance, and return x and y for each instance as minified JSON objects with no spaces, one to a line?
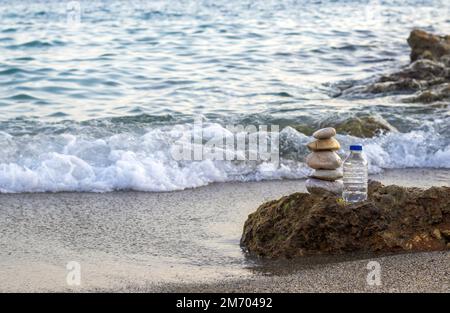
{"x":428,"y":46}
{"x":393,"y":219}
{"x":364,"y":127}
{"x":358,"y":126}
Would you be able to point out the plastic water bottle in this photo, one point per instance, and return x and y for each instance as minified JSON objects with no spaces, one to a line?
{"x":355,"y":175}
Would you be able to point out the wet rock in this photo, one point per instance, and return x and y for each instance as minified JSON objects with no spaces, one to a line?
{"x":304,"y":129}
{"x":393,"y":219}
{"x":324,"y":133}
{"x":423,"y":71}
{"x":327,"y":160}
{"x":392,"y":86}
{"x":434,"y":94}
{"x":320,"y":187}
{"x":428,"y":74}
{"x":324,"y":144}
{"x":364,"y":127}
{"x":420,"y":75}
{"x":358,"y":126}
{"x":330,"y":175}
{"x":428,"y":46}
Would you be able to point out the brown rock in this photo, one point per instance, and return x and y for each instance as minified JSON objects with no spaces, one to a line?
{"x":364,"y":127}
{"x":327,"y":160}
{"x":324,"y":144}
{"x":429,"y":46}
{"x":393,"y":219}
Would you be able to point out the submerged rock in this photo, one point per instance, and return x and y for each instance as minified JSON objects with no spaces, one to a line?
{"x":364,"y":127}
{"x":358,"y":126}
{"x":393,"y":219}
{"x":304,"y":129}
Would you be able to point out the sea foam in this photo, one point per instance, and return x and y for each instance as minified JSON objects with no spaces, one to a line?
{"x":143,"y":161}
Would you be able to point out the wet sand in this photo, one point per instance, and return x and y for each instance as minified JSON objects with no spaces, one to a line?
{"x":418,"y":272}
{"x":183,"y":241}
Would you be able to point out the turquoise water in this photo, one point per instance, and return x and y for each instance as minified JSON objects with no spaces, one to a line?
{"x":97,"y":105}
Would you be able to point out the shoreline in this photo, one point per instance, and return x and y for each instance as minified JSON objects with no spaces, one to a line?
{"x":181,"y":240}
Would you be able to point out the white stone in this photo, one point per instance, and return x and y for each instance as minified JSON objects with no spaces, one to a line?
{"x":330,"y":175}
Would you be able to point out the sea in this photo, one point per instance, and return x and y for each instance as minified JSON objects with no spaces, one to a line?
{"x":96,"y":95}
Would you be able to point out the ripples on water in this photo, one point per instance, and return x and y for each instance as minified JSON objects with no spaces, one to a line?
{"x":92,"y":108}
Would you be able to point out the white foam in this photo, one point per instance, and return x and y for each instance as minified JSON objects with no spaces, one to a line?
{"x":78,"y":162}
{"x":416,"y":149}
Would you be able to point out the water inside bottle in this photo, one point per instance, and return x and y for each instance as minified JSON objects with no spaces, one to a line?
{"x":355,"y":176}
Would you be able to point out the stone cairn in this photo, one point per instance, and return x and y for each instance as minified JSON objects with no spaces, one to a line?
{"x":327,"y":175}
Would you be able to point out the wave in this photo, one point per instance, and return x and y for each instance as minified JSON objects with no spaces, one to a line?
{"x":144,"y":161}
{"x":36,"y":44}
{"x":12,"y":71}
{"x":415,"y":149}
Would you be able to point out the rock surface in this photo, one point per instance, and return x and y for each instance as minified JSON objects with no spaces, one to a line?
{"x":358,"y":126}
{"x":433,"y":94}
{"x":364,"y":127}
{"x":321,"y":187}
{"x":393,"y":219}
{"x":428,"y":46}
{"x":324,"y":144}
{"x":327,"y":160}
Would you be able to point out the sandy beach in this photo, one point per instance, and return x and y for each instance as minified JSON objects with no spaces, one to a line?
{"x":184,"y":241}
{"x":136,"y":137}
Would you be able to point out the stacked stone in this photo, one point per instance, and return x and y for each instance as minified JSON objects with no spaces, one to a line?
{"x":327,"y":175}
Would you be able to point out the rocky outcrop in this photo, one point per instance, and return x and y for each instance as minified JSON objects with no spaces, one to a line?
{"x":432,"y":94}
{"x":428,"y":75}
{"x":393,"y":219}
{"x":364,"y":127}
{"x":428,"y":46}
{"x":429,"y":72}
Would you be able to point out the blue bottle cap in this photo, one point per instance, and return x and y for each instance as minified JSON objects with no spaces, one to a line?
{"x":356,"y":148}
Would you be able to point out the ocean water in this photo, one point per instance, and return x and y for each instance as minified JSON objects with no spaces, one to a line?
{"x":97,"y":101}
